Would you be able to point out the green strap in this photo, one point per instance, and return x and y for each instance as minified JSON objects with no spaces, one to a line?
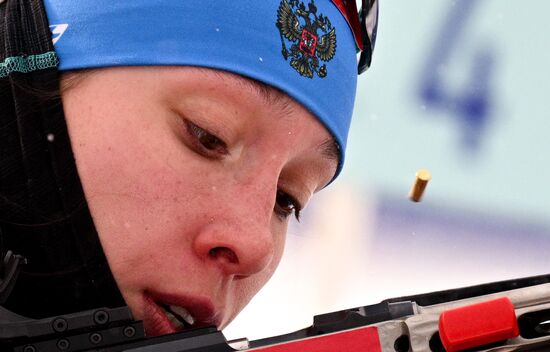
{"x":28,"y":63}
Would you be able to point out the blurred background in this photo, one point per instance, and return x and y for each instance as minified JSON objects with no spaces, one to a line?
{"x":458,"y":88}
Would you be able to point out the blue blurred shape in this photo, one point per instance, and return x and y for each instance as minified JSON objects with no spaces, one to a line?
{"x":472,"y":104}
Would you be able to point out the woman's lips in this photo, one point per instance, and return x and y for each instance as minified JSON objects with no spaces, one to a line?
{"x":156,"y":322}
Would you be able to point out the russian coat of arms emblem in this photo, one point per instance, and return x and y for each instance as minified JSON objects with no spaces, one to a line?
{"x":310,"y":36}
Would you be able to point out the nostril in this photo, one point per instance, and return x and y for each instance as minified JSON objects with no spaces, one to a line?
{"x":224,"y":253}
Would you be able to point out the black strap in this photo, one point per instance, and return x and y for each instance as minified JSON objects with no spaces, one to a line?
{"x":43,"y":212}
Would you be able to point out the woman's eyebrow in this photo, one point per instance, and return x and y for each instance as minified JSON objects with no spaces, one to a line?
{"x":329,"y":149}
{"x":270,"y":94}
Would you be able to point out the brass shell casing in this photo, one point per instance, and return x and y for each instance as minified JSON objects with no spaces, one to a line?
{"x":420,"y":182}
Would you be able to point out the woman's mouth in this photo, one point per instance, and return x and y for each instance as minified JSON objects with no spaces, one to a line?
{"x":179,"y":317}
{"x":166,"y":314}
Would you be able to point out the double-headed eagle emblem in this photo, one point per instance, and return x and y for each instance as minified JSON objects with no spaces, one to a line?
{"x":312,"y":37}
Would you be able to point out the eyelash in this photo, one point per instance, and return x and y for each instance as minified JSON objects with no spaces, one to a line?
{"x":211,"y":146}
{"x":205,"y":142}
{"x":292,"y":205}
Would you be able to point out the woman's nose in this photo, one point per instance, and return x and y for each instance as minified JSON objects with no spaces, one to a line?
{"x":241,"y":246}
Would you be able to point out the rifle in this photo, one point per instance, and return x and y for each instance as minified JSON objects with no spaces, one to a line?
{"x":512,"y":315}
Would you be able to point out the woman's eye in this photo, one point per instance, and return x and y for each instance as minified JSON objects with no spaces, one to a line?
{"x":285,"y":205}
{"x":206,"y":143}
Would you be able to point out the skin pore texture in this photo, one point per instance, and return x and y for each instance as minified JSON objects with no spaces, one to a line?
{"x":191,"y":176}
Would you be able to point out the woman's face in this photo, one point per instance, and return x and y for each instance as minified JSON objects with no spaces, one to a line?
{"x":191,"y":176}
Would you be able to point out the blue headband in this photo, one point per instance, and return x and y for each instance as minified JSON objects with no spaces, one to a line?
{"x":269,"y":41}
